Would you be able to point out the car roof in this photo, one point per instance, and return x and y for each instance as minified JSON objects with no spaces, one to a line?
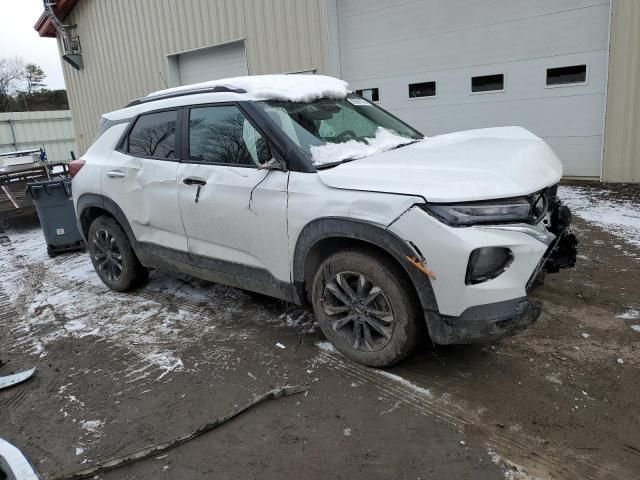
{"x":295,"y":88}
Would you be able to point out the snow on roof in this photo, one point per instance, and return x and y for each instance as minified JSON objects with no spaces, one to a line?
{"x":293,"y":88}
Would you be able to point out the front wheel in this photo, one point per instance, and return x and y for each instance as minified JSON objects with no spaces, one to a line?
{"x":113,"y":257}
{"x":367,"y":308}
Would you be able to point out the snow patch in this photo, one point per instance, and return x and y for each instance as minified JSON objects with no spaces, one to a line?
{"x":630,"y":314}
{"x":622,"y":218}
{"x":292,"y":88}
{"x":406,"y":383}
{"x":635,"y":328}
{"x":511,"y":470}
{"x":93,"y":426}
{"x":326,"y":347}
{"x":353,"y":149}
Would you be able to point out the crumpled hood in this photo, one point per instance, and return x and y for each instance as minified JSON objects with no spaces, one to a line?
{"x":465,"y":166}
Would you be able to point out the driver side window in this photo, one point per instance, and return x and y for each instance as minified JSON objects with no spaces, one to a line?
{"x":223,"y":135}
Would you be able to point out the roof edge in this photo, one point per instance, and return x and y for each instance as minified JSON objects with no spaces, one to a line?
{"x":43,"y":25}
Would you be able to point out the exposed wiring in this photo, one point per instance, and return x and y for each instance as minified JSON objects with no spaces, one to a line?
{"x":254,"y":189}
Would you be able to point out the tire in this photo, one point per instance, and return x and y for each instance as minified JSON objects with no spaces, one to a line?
{"x":378,"y":296}
{"x":113,"y":257}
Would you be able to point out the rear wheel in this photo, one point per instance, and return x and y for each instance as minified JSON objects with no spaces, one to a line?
{"x":366,"y":307}
{"x":113,"y":257}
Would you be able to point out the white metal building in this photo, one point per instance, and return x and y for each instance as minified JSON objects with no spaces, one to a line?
{"x":440,"y":65}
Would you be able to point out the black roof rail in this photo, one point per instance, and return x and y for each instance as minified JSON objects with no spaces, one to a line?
{"x":183,"y":93}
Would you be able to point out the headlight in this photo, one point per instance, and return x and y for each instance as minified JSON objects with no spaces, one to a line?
{"x":497,"y":211}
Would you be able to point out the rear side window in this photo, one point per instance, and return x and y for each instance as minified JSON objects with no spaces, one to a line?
{"x":222,"y":135}
{"x":154,"y":136}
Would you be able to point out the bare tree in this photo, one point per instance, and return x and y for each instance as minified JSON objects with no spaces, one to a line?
{"x":33,"y":77}
{"x":11,"y":74}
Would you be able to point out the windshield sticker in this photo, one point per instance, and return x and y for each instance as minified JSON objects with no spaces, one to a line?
{"x":358,"y":102}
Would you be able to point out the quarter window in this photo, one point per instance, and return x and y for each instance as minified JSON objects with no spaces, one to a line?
{"x":154,"y":136}
{"x":371,"y":94}
{"x":222,"y":135}
{"x":423,"y":89}
{"x":567,"y":75}
{"x":487,"y":83}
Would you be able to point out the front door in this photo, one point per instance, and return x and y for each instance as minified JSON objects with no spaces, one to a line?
{"x":234,"y":213}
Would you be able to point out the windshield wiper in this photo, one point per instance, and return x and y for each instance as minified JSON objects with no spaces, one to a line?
{"x":405,"y":144}
{"x":324,"y":166}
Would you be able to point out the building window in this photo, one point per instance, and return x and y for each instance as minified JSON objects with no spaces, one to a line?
{"x":567,"y":75}
{"x":487,"y":83}
{"x":153,"y":136}
{"x":423,"y":89}
{"x":371,"y":94}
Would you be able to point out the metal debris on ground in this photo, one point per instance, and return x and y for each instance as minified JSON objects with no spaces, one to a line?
{"x":14,"y":465}
{"x":15,"y":379}
{"x":160,"y":448}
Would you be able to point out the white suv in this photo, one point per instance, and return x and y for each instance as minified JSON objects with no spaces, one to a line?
{"x":291,"y":186}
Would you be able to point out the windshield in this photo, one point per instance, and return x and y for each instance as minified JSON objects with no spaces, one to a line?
{"x":335,"y":131}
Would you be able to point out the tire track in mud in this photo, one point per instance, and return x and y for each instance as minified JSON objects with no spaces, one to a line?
{"x":507,"y":446}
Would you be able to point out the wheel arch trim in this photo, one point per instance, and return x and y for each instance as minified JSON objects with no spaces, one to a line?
{"x":93,"y":200}
{"x":352,"y":229}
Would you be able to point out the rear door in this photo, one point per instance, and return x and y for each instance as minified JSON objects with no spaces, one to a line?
{"x":234,"y":213}
{"x":141,"y":177}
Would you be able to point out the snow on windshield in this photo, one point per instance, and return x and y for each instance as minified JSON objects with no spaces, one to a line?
{"x":292,"y":88}
{"x":335,"y":152}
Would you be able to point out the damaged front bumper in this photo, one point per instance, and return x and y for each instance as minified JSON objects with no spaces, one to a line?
{"x":484,"y":323}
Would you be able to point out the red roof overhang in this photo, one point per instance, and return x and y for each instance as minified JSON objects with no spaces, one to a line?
{"x":44,"y":27}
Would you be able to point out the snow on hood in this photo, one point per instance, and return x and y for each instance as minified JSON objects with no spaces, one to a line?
{"x":465,"y":166}
{"x":293,"y":88}
{"x":353,"y":149}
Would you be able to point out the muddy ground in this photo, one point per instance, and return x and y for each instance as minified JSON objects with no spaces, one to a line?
{"x":118,"y":372}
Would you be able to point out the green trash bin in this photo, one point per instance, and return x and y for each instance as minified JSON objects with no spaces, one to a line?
{"x":57,"y":217}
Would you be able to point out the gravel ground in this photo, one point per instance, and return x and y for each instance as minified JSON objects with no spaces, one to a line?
{"x":117,"y":372}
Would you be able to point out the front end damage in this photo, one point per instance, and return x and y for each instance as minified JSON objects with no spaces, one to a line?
{"x":563,"y":251}
{"x":495,"y":306}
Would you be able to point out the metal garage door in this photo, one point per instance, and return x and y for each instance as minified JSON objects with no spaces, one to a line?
{"x":212,"y":63}
{"x":391,"y":44}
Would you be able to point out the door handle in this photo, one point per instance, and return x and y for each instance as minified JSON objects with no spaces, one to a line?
{"x":194,"y":181}
{"x":116,"y":174}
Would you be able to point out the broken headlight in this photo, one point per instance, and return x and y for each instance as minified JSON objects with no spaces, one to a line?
{"x":495,"y":211}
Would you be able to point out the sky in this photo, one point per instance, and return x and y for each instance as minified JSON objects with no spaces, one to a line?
{"x":19,"y":39}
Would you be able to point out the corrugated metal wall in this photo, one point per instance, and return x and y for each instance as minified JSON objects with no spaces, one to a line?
{"x":125,"y":44}
{"x":29,"y":130}
{"x":622,"y":138}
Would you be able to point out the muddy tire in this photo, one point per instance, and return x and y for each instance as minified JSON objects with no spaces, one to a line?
{"x":367,"y":308}
{"x":113,"y":257}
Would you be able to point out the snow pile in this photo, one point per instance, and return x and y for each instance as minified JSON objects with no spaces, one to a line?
{"x":353,"y":149}
{"x":622,"y":218}
{"x":293,"y":88}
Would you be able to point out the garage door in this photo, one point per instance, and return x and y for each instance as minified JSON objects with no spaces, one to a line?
{"x":212,"y":63}
{"x":462,"y":64}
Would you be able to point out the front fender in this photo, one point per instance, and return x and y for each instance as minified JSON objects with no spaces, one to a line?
{"x":345,"y":228}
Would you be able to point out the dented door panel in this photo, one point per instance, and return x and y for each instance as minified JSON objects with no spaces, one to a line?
{"x":147,"y":192}
{"x":240,"y":215}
